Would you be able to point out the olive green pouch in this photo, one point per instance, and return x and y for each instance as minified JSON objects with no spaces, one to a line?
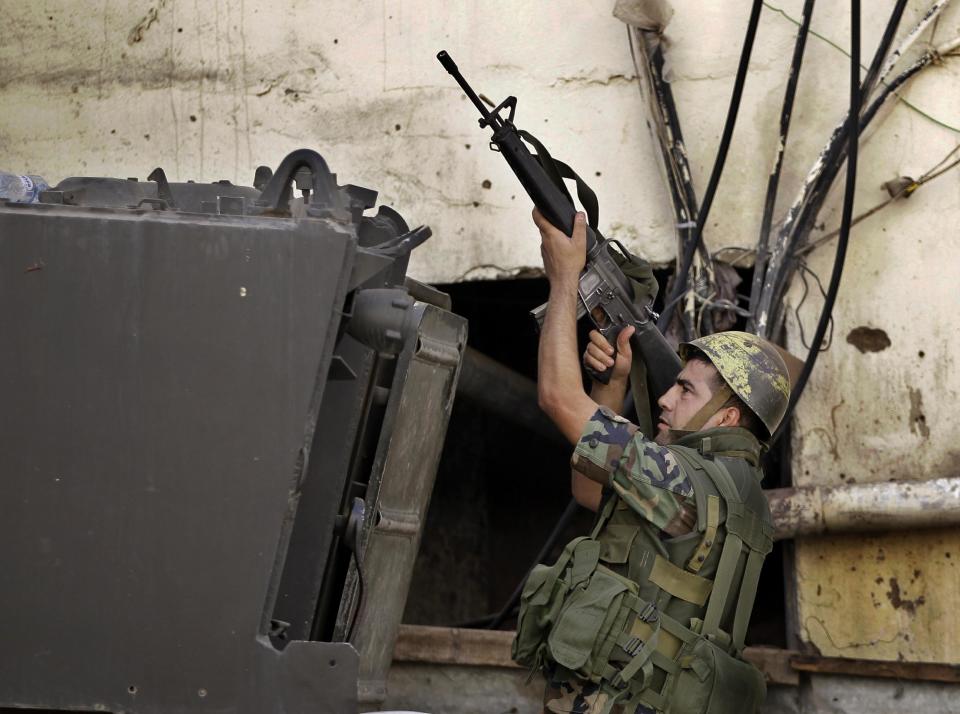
{"x":586,"y":620}
{"x":541,"y":600}
{"x":711,"y":681}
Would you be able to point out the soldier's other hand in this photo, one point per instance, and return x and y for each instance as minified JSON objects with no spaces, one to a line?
{"x":599,"y":354}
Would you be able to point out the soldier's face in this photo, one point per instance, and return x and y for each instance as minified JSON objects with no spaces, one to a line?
{"x":693,"y":389}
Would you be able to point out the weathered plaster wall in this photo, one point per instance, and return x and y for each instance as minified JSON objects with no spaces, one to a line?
{"x":881,"y":404}
{"x":209,"y":90}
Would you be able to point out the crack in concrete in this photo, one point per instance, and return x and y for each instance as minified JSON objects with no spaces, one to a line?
{"x":152,"y":16}
{"x":612,"y":79}
{"x":849,"y":646}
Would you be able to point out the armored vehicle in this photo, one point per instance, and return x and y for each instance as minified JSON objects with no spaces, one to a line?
{"x":223,"y":409}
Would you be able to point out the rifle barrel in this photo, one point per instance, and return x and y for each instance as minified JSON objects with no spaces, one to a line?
{"x":451,"y":67}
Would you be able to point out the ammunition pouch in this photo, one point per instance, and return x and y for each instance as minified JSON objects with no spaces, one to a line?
{"x":540,"y":603}
{"x":712,"y":681}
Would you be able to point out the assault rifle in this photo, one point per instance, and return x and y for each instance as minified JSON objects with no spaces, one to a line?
{"x":606,"y":294}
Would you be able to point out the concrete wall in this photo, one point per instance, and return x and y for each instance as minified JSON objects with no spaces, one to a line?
{"x":210,"y":90}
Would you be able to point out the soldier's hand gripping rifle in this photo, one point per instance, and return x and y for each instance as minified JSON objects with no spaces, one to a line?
{"x":606,"y":294}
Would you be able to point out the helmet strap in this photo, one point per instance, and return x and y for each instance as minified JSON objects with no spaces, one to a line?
{"x":697,"y":421}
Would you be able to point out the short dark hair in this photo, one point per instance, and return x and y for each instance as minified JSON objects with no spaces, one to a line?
{"x":748,"y":419}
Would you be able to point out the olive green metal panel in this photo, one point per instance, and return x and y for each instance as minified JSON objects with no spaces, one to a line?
{"x":418,"y":411}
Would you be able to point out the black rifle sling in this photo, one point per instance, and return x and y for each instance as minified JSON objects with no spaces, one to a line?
{"x":557,"y":171}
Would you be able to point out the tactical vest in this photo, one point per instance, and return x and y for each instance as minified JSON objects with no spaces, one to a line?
{"x":653,"y":621}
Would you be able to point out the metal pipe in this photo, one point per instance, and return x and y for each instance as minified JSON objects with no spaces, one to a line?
{"x":508,"y":394}
{"x":887,"y":506}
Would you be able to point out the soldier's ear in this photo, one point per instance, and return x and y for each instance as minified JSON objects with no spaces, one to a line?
{"x":731,"y":416}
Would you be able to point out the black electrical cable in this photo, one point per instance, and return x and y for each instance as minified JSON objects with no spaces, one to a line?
{"x":668,"y":132}
{"x":680,"y":281}
{"x":670,"y":138}
{"x":773,"y":182}
{"x":845,"y":220}
{"x":494,"y":621}
{"x":835,"y":154}
{"x":838,"y":152}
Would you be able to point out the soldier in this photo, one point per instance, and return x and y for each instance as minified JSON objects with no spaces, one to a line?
{"x":649,"y":612}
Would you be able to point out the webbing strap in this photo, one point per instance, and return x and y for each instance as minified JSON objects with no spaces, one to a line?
{"x":722,"y":583}
{"x":748,"y":593}
{"x":603,"y":655}
{"x":557,"y":169}
{"x":702,"y":552}
{"x":586,"y":555}
{"x":608,"y":508}
{"x":756,"y":533}
{"x":678,"y":582}
{"x":641,"y":661}
{"x":641,"y":396}
{"x":722,"y":480}
{"x":543,"y":595}
{"x":606,"y":700}
{"x":732,"y":545}
{"x":650,"y":698}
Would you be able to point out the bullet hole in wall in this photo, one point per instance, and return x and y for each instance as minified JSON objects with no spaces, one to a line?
{"x":868,"y":339}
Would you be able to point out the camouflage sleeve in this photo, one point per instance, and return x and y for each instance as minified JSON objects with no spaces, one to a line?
{"x":647,"y":476}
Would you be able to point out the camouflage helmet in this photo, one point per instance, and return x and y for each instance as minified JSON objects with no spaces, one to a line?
{"x":752,"y":367}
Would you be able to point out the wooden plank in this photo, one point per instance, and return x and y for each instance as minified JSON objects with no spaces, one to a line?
{"x":924,"y":671}
{"x":774,"y":663}
{"x":491,"y":648}
{"x":450,"y":645}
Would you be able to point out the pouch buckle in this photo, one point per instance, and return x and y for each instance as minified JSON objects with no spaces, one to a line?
{"x":633,"y":646}
{"x":649,"y":613}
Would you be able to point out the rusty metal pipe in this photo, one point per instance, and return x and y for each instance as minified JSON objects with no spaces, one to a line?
{"x":892,"y":505}
{"x":504,"y":392}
